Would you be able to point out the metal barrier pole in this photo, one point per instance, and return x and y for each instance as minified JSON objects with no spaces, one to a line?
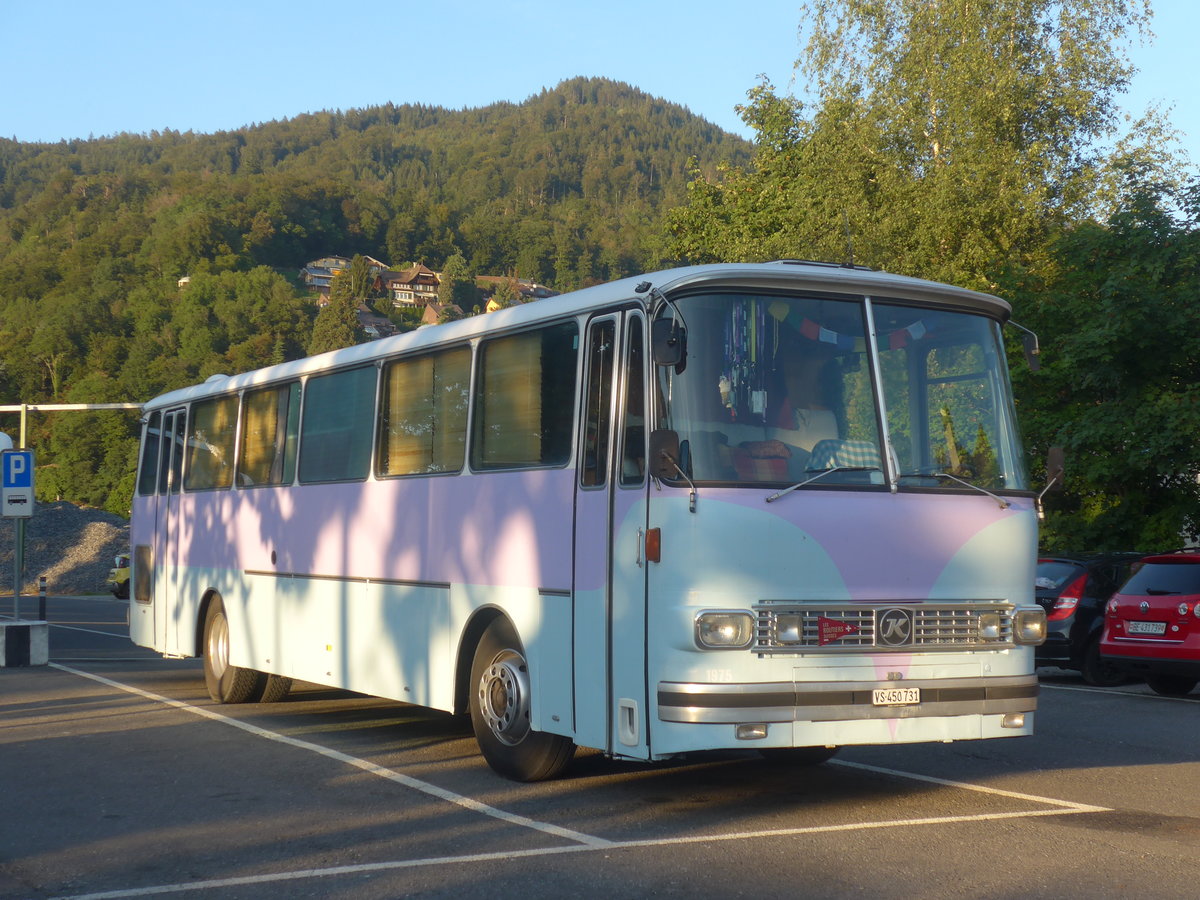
{"x":42,"y":597}
{"x":18,"y":564}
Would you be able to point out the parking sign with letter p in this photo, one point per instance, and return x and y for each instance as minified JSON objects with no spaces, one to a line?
{"x":16,"y":483}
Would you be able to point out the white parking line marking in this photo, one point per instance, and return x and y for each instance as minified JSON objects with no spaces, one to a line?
{"x":983,"y":789}
{"x":367,"y":766}
{"x":584,"y":843}
{"x":394,"y":865}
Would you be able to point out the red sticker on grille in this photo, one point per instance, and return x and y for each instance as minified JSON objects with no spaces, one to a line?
{"x":830,"y":630}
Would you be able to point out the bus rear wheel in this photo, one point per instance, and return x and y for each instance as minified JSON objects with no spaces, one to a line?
{"x":226,"y":683}
{"x":500,"y":696}
{"x":275,"y":689}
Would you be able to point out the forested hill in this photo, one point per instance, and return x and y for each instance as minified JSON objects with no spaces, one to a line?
{"x":551,"y":186}
{"x":565,"y":189}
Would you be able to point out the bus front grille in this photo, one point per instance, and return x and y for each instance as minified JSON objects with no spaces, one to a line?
{"x":788,"y":626}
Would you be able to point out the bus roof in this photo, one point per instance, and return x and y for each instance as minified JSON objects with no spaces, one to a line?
{"x":781,"y":274}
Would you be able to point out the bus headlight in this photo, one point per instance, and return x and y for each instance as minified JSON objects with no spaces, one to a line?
{"x":989,"y":626}
{"x":1029,"y":625}
{"x":724,"y":629}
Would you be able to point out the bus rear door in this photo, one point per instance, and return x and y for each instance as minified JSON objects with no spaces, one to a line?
{"x":166,"y":551}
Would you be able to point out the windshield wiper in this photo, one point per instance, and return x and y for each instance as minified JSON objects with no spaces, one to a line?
{"x":1004,"y":504}
{"x":821,"y":474}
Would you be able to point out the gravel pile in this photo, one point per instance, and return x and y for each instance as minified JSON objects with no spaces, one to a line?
{"x":73,"y":546}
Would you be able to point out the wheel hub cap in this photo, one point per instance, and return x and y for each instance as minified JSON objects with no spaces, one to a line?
{"x":504,"y":698}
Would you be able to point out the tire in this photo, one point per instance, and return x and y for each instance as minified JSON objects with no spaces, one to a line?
{"x":226,"y":683}
{"x":1098,"y":671}
{"x":500,"y":704}
{"x":798,"y":756}
{"x":277,"y":688}
{"x":1171,"y":685}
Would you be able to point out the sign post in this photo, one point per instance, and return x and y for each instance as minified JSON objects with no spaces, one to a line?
{"x":16,"y":503}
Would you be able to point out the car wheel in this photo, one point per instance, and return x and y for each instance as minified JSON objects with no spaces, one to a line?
{"x":798,"y":756}
{"x":1097,"y":670}
{"x":226,"y":683}
{"x":1171,"y":685}
{"x":500,"y":705}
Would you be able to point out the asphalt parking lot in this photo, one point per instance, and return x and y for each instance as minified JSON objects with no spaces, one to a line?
{"x":122,"y":779}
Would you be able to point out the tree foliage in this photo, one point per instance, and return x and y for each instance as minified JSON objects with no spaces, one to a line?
{"x":949,"y":139}
{"x":457,"y":285}
{"x":337,"y":323}
{"x":95,"y":236}
{"x":1120,"y":385}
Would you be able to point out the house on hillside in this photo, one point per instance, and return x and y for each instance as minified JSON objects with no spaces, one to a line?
{"x":336,"y":263}
{"x":375,"y":325}
{"x":414,"y":286}
{"x":436,"y":312}
{"x":529,"y":290}
{"x":317,"y":278}
{"x":318,"y":274}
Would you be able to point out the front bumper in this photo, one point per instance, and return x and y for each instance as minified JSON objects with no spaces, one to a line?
{"x":839,"y":701}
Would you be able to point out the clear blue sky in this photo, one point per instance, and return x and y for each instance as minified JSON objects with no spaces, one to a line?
{"x":79,"y":68}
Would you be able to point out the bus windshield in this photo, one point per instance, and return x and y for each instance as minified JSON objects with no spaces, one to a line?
{"x":778,"y":389}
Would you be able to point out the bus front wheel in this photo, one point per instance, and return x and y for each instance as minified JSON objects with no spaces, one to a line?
{"x":500,"y":707}
{"x":226,"y":683}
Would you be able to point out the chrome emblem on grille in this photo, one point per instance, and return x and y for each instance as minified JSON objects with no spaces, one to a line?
{"x":1144,"y":606}
{"x":895,"y":628}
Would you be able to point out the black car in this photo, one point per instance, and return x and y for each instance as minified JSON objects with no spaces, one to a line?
{"x":1073,"y":588}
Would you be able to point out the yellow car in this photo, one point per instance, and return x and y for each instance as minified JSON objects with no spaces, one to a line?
{"x":118,"y":577}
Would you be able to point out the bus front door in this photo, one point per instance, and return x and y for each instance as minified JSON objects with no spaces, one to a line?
{"x":166,"y":525}
{"x":610,"y":522}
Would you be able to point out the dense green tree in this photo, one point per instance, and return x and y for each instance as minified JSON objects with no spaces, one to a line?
{"x":506,"y":294}
{"x":360,"y":278}
{"x":949,"y":139}
{"x":337,"y":325}
{"x":1119,"y":387}
{"x":457,"y":286}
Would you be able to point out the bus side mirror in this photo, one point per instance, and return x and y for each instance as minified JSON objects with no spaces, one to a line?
{"x":664,"y":453}
{"x":668,"y":341}
{"x":1054,"y":478}
{"x":1029,"y":341}
{"x":1055,"y":466}
{"x":1033,"y":357}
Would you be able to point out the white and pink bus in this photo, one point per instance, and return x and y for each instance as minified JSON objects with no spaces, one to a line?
{"x":778,"y":506}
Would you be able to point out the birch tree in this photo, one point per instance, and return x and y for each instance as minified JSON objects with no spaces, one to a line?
{"x":946,"y":138}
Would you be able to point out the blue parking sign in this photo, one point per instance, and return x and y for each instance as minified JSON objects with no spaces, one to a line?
{"x":16,"y":483}
{"x":18,"y":469}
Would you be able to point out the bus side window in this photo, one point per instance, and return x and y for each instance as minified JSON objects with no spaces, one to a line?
{"x":597,"y":419}
{"x":633,"y":455}
{"x":269,"y":426}
{"x":525,"y":399}
{"x":210,"y":444}
{"x":423,"y":414}
{"x":148,"y":474}
{"x":339,"y":415}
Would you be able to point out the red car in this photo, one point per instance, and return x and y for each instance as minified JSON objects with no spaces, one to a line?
{"x":1152,"y":624}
